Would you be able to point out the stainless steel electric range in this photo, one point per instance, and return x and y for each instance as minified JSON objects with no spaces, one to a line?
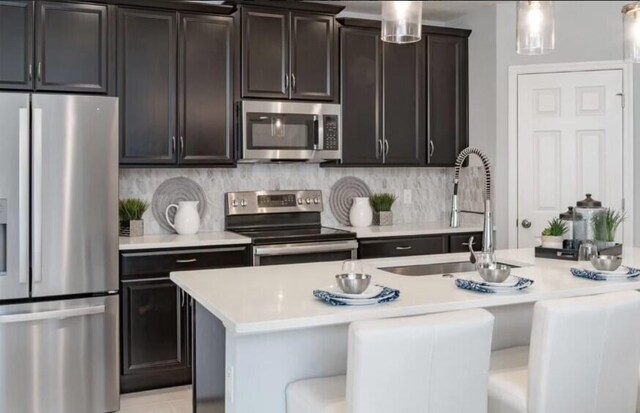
{"x":285,"y":227}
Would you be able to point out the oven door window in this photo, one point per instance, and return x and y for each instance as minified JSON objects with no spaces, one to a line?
{"x":281,"y":131}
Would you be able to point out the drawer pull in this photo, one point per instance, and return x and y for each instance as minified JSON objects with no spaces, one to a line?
{"x":466,"y":244}
{"x":186,"y":261}
{"x":404,"y":248}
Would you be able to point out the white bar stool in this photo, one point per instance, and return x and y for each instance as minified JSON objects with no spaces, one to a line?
{"x":429,"y":364}
{"x":583,"y":358}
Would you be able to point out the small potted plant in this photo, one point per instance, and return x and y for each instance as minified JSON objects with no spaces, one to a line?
{"x":381,"y":205}
{"x":131,"y":211}
{"x":552,"y":235}
{"x":606,"y":225}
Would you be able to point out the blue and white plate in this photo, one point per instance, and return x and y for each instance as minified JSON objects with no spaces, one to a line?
{"x":387,"y":294}
{"x":484,"y":287}
{"x":631,"y":274}
{"x":371,"y":292}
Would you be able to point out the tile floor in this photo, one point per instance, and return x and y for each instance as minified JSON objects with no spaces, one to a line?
{"x":171,"y":400}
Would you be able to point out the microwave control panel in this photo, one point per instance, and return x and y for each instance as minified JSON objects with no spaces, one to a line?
{"x":330,"y":133}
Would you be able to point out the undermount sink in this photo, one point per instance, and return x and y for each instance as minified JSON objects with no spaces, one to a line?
{"x":433,"y":269}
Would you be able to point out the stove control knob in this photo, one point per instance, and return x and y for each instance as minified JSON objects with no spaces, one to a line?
{"x":316,"y":200}
{"x":234,"y":203}
{"x":299,"y":201}
{"x":308,"y":200}
{"x":243,"y":203}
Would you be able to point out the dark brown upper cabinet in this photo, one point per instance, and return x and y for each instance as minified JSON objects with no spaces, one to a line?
{"x":147,"y":43}
{"x":54,"y":46}
{"x":175,"y":74}
{"x":205,"y":89}
{"x":288,"y":54}
{"x":447,"y":96}
{"x":16,"y":45}
{"x":383,"y":100}
{"x":71,"y":47}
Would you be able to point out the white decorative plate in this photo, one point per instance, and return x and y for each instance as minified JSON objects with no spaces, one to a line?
{"x":370,"y":292}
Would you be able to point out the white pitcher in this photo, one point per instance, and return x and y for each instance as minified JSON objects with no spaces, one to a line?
{"x":187,"y":218}
{"x":360,"y":214}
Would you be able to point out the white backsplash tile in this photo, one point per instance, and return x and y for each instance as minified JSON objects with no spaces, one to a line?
{"x":431,"y":188}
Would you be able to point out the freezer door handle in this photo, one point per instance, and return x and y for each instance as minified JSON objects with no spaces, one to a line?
{"x":50,"y":315}
{"x":36,"y":246}
{"x":23,"y":196}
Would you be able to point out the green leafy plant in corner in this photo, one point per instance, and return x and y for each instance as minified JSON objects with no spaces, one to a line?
{"x":555,"y":228}
{"x":132,"y":209}
{"x":382,"y":202}
{"x":606,"y":225}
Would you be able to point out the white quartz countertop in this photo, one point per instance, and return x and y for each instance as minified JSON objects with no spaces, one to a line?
{"x":254,"y":300}
{"x":405,"y":230}
{"x":203,"y":239}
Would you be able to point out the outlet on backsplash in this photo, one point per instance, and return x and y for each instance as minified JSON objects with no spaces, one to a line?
{"x":407,"y":196}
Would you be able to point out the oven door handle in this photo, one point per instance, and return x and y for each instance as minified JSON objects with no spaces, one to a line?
{"x":304,"y":248}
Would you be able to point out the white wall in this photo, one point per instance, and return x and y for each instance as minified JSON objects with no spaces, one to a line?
{"x":585,"y":31}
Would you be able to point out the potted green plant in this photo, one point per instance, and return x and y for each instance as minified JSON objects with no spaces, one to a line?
{"x":381,"y":205}
{"x":131,"y":211}
{"x":552,"y":235}
{"x":606,"y":225}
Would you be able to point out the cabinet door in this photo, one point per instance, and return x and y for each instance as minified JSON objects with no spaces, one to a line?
{"x":401,"y":247}
{"x":403,"y":103}
{"x":265,"y":53}
{"x":205,"y":89}
{"x":312,"y":56}
{"x":360,"y":56}
{"x":147,"y":86}
{"x":16,"y":45}
{"x":71,"y":47}
{"x":460,"y":242}
{"x":447,"y":90}
{"x":153,"y":326}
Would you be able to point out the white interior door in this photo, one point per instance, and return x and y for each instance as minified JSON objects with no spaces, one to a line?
{"x":570,"y":129}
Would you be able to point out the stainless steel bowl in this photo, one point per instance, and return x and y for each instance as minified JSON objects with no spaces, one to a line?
{"x":606,"y":262}
{"x":353,"y":283}
{"x":494,"y":273}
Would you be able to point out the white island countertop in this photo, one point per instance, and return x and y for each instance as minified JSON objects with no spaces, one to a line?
{"x":255,"y":300}
{"x":203,"y":239}
{"x":407,"y":230}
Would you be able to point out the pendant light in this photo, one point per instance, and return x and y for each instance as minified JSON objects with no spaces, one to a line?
{"x":535,"y":32}
{"x":631,"y":22}
{"x":401,"y":21}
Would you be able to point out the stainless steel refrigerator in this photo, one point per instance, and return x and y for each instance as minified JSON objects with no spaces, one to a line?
{"x":59,"y":347}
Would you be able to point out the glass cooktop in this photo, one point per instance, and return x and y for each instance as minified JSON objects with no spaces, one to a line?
{"x":291,"y":235}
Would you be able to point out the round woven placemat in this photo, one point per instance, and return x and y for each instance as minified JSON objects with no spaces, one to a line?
{"x":172,"y":191}
{"x":342,"y":194}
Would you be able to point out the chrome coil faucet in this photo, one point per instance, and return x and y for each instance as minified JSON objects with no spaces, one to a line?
{"x":487,"y":235}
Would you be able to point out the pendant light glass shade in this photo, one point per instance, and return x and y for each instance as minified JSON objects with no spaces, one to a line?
{"x":535,"y":31}
{"x":631,"y":21}
{"x":401,"y":21}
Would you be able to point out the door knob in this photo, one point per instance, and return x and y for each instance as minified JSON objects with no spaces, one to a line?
{"x":526,"y":223}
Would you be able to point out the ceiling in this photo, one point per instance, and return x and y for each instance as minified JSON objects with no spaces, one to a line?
{"x":432,"y":10}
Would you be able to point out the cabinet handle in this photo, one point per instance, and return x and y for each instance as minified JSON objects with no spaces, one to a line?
{"x":293,"y":82}
{"x":39,"y":71}
{"x":432,"y":148}
{"x":286,"y":82}
{"x":386,"y":148}
{"x":186,"y":261}
{"x":182,"y":146}
{"x":379,"y":148}
{"x":466,"y":244}
{"x":181,"y":298}
{"x":30,"y":72}
{"x":173,"y":143}
{"x":404,"y":248}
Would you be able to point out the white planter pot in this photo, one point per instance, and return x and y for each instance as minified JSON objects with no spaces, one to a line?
{"x":552,"y":242}
{"x":360,"y":214}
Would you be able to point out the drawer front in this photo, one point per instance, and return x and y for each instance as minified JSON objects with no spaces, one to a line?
{"x":460,"y":242}
{"x":136,"y":264}
{"x":400,"y":247}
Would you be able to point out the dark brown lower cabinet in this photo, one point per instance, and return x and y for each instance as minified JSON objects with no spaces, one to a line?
{"x":156,"y":322}
{"x":417,"y":245}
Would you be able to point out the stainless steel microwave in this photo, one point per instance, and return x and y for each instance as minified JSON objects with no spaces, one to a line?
{"x":289,"y":131}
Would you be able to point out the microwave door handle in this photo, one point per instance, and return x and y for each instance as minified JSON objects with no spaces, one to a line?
{"x":317,"y":141}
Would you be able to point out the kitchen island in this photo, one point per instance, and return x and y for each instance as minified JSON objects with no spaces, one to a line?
{"x":260,"y":328}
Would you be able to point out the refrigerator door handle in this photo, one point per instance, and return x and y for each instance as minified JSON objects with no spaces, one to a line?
{"x":36,"y":246}
{"x":54,"y":314}
{"x":23,"y":196}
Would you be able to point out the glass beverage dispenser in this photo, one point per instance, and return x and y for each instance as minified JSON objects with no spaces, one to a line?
{"x":588,"y":217}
